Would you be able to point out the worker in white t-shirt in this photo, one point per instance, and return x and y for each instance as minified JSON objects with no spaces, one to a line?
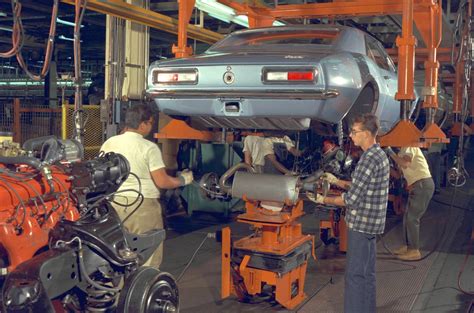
{"x":259,"y":152}
{"x":146,"y":162}
{"x":421,"y":187}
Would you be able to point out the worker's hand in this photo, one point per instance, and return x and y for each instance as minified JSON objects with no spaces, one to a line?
{"x":185,"y":177}
{"x":288,"y":143}
{"x":330,"y":178}
{"x":317,"y":198}
{"x":389,"y":151}
{"x":291,"y":173}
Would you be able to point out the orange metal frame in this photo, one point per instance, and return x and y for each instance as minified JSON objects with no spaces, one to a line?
{"x":460,"y":81}
{"x":276,"y":234}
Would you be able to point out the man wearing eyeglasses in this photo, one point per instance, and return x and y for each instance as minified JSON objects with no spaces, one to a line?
{"x":146,"y":162}
{"x":366,"y":203}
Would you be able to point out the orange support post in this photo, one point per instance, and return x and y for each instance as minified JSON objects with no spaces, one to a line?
{"x":405,"y":133}
{"x":185,"y":11}
{"x":429,"y":23}
{"x":226,"y":280}
{"x":460,"y":93}
{"x":406,"y":54}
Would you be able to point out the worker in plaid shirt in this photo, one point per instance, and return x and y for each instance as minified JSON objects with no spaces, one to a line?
{"x":366,"y":203}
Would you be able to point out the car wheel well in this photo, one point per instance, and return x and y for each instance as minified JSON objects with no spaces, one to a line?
{"x":366,"y":102}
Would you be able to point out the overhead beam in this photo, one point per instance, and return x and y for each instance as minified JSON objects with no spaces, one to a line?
{"x":149,"y":18}
{"x":164,"y":6}
{"x":341,"y":9}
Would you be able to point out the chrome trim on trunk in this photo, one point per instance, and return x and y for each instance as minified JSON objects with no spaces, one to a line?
{"x":267,"y":94}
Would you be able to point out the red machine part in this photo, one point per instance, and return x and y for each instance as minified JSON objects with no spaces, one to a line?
{"x":28,"y":210}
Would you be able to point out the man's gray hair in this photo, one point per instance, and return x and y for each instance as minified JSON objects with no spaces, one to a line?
{"x":138,"y":114}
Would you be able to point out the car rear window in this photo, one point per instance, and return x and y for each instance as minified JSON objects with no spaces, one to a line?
{"x":255,"y":40}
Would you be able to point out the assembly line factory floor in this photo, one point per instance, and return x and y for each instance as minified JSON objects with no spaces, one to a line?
{"x":430,"y":285}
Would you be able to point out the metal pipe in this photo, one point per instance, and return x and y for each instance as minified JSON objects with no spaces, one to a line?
{"x":231,"y":171}
{"x":266,"y":187}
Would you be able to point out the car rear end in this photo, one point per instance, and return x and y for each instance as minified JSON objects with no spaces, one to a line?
{"x":253,"y":88}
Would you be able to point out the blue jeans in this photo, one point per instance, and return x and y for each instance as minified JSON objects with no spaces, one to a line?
{"x":359,"y":291}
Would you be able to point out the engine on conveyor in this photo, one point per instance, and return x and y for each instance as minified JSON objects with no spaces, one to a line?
{"x":62,"y":245}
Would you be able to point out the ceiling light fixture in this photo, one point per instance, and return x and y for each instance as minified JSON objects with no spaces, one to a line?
{"x":66,"y":38}
{"x":8,"y":29}
{"x":60,"y":21}
{"x":225,"y":13}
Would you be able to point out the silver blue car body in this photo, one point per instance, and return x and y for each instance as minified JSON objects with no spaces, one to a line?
{"x":229,"y":85}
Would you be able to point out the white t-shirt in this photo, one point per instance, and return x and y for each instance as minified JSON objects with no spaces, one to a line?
{"x":259,"y":147}
{"x":270,"y":141}
{"x":418,"y":168}
{"x":144,"y":157}
{"x":254,"y":145}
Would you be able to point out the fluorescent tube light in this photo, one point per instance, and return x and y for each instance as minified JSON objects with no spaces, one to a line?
{"x":66,"y":38}
{"x":225,"y":13}
{"x":60,"y":21}
{"x":8,"y":29}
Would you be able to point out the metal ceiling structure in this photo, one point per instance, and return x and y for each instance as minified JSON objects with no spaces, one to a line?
{"x":381,"y":18}
{"x":162,"y":18}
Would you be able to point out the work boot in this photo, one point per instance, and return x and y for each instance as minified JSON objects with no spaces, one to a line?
{"x":410,"y":255}
{"x":401,"y":250}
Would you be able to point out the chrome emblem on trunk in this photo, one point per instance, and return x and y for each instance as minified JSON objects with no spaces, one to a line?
{"x":229,"y":77}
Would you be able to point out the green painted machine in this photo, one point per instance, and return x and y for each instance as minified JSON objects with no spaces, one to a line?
{"x":205,"y":158}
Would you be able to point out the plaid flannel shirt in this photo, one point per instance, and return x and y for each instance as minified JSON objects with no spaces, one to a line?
{"x":366,"y":200}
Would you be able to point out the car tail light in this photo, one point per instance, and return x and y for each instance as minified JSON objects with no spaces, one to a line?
{"x":175,"y":77}
{"x":291,"y":75}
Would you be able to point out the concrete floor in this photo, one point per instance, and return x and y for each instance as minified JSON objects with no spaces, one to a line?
{"x":426,"y":286}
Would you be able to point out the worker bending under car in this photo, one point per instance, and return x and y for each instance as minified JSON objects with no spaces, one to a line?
{"x":259,"y":152}
{"x":146,"y":162}
{"x":421,"y":187}
{"x":366,"y":205}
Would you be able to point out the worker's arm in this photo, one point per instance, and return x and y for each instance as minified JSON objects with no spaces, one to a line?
{"x":336,"y":201}
{"x":280,"y":167}
{"x":163,"y":180}
{"x":344,"y":184}
{"x":333,"y":180}
{"x":295,"y":152}
{"x":248,"y":157}
{"x":402,"y":161}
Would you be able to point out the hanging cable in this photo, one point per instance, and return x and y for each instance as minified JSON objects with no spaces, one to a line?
{"x":17,"y":31}
{"x":461,"y":271}
{"x":49,"y":48}
{"x":78,"y":120}
{"x":192,"y":258}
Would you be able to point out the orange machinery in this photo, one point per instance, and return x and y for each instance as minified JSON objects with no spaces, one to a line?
{"x":276,"y":253}
{"x":29,"y":208}
{"x":334,"y":227}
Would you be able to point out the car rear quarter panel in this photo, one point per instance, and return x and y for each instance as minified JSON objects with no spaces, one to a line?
{"x":343,"y":73}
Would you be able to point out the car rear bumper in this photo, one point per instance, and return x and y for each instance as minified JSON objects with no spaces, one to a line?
{"x":285,"y":110}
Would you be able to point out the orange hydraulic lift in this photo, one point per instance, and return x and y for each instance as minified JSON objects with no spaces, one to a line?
{"x":276,"y":238}
{"x":462,"y":78}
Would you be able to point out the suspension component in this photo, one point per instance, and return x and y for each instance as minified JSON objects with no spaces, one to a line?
{"x":149,"y":290}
